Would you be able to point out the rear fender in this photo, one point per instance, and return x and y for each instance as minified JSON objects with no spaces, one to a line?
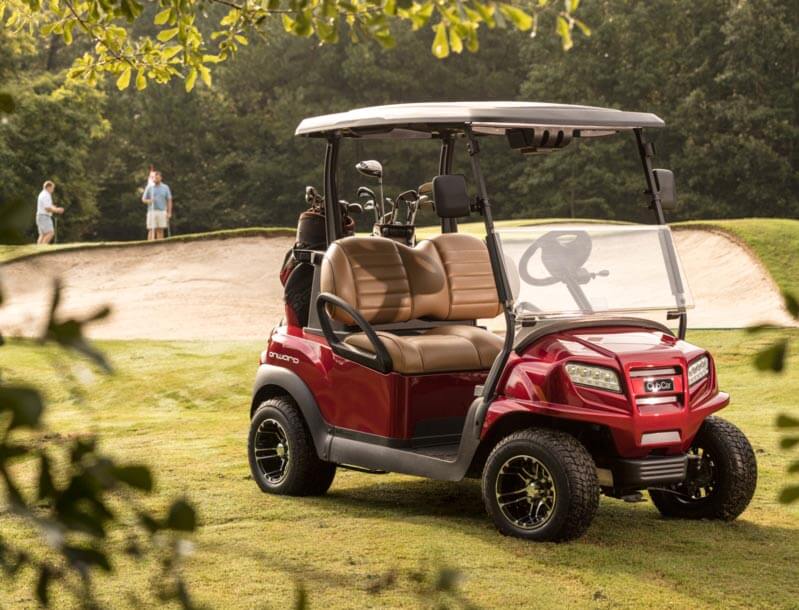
{"x":271,"y":381}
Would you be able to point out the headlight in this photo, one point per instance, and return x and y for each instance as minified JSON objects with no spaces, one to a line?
{"x":698,"y":370}
{"x":594,"y":376}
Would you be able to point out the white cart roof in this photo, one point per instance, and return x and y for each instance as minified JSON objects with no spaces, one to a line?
{"x":428,"y":120}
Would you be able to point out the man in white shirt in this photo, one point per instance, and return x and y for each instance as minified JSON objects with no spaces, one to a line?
{"x":44,"y":213}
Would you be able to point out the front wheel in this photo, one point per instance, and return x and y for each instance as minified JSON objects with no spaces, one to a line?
{"x":282,"y":456}
{"x":722,"y":476}
{"x":540,"y":485}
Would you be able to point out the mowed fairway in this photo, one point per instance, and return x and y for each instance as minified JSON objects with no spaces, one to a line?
{"x":183,"y":409}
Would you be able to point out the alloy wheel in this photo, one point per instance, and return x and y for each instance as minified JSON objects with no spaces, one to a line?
{"x":272,"y":451}
{"x":525,"y":492}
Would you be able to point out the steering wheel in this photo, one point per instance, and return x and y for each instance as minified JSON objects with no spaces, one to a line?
{"x":563,"y":253}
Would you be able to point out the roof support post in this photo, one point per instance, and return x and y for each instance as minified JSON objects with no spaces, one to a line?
{"x":332,"y":209}
{"x":647,"y":152}
{"x":448,"y":225}
{"x":500,"y":280}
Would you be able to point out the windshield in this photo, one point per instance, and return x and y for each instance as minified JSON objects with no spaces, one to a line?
{"x":570,"y":270}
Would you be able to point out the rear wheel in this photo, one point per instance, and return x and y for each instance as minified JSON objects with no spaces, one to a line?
{"x":722,"y":476}
{"x":282,"y":456}
{"x":540,"y":485}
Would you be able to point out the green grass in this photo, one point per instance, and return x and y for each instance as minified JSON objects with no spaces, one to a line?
{"x":775,"y":241}
{"x":9,"y":253}
{"x":183,"y":408}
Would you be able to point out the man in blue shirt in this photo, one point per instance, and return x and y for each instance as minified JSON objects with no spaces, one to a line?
{"x":158,"y":198}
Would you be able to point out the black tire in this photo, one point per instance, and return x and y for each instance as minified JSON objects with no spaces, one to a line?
{"x":278,"y":421}
{"x":568,"y":470}
{"x":728,"y":463}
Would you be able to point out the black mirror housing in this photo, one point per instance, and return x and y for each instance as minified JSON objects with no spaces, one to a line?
{"x":666,"y":189}
{"x":450,"y":196}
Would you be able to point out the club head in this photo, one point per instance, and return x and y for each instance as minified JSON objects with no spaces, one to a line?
{"x":426,"y":188}
{"x":371,"y":168}
{"x":364,"y":191}
{"x":311,"y":196}
{"x":369,"y":205}
{"x":355,"y":208}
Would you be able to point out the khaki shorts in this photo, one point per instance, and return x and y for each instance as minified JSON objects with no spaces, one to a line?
{"x":44,"y":222}
{"x":156,"y":219}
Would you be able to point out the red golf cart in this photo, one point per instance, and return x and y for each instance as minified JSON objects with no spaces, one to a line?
{"x":384,"y":363}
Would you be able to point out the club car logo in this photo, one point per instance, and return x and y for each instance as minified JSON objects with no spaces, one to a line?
{"x":284,"y":357}
{"x":659,"y":385}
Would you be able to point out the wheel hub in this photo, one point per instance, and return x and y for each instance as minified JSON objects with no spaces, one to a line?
{"x":525,"y":492}
{"x":272,"y":451}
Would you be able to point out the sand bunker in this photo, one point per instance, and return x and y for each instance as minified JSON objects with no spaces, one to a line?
{"x":229,"y":288}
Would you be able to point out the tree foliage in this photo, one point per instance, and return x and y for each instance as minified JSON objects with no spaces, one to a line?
{"x":78,"y":494}
{"x":193,"y":35}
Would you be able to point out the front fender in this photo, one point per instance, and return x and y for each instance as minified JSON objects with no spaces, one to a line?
{"x":275,"y":381}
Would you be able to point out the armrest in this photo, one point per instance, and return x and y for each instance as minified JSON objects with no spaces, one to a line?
{"x":379,"y":361}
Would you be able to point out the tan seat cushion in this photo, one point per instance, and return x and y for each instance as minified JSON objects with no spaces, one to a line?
{"x":440,"y":349}
{"x":445,"y":278}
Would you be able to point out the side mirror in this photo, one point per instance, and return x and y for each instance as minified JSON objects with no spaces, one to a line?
{"x":450,"y":196}
{"x":667,"y":191}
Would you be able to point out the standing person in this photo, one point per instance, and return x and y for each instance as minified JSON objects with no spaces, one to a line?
{"x":158,"y":198}
{"x":45,"y":208}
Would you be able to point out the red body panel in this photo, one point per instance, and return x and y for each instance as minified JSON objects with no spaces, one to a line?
{"x":391,"y":405}
{"x":357,"y":398}
{"x":537,"y":382}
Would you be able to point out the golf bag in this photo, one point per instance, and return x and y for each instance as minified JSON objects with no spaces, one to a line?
{"x":296,"y":276}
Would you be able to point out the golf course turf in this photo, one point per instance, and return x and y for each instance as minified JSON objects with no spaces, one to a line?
{"x":182,"y":408}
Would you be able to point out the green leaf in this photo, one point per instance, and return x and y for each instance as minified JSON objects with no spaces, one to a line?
{"x":455,"y":41}
{"x":162,"y":17}
{"x":583,"y":27}
{"x":141,"y":80}
{"x":88,"y":557}
{"x":124,"y":79}
{"x":205,"y":74}
{"x":181,"y":517}
{"x":301,"y":597}
{"x":43,"y":584}
{"x":788,"y":442}
{"x":564,"y":31}
{"x":150,"y":524}
{"x":169,"y":52}
{"x":167,"y":35}
{"x":46,"y":484}
{"x":789,"y":494}
{"x":517,"y":16}
{"x":25,"y":405}
{"x":772,"y":358}
{"x":136,"y":476}
{"x":440,"y":44}
{"x":191,"y":79}
{"x":7,"y":104}
{"x":786,"y":421}
{"x":791,"y":304}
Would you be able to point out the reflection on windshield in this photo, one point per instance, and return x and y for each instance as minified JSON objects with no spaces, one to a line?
{"x":567,"y":270}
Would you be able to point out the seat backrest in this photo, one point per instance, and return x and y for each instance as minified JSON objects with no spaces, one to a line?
{"x":445,"y":278}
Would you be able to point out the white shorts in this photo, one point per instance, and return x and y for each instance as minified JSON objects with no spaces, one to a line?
{"x":156,"y":219}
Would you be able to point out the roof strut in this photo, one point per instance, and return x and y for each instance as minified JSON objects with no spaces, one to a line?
{"x":500,"y":280}
{"x":647,"y":152}
{"x":332,"y":209}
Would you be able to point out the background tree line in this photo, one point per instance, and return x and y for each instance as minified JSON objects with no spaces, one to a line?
{"x":721,"y":73}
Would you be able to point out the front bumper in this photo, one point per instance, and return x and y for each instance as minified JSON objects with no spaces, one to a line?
{"x":654,"y":471}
